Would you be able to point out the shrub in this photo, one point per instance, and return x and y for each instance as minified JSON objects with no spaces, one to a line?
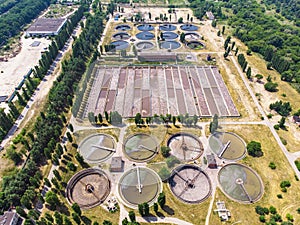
{"x":272,"y":165}
{"x":285,"y":183}
{"x":254,"y":149}
{"x":262,"y":218}
{"x":289,"y":217}
{"x":172,"y":161}
{"x":165,"y":151}
{"x":276,"y":127}
{"x":273,"y":210}
{"x":279,"y":196}
{"x":271,"y":87}
{"x":259,"y":210}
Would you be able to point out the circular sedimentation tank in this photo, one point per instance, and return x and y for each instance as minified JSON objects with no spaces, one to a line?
{"x":97,"y":148}
{"x":145,"y":27}
{"x":240,"y":183}
{"x":167,"y":27}
{"x":227,"y":145}
{"x":139,"y":185}
{"x":140,"y":147}
{"x":121,"y":36}
{"x":185,"y":146}
{"x":192,"y":36}
{"x":196,"y":45}
{"x":188,"y":27}
{"x":145,"y":35}
{"x":145,"y":45}
{"x":88,"y":188}
{"x":171,"y":45}
{"x":190,"y":184}
{"x":169,"y":35}
{"x":122,"y":27}
{"x":120,"y":44}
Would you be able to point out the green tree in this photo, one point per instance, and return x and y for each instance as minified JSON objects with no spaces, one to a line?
{"x":131,"y":215}
{"x":271,"y":87}
{"x":76,"y":208}
{"x":214,"y":23}
{"x":106,"y":222}
{"x":165,"y":151}
{"x":21,"y":211}
{"x":141,"y":209}
{"x":248,"y":73}
{"x":52,"y":200}
{"x":161,"y":200}
{"x":213,"y":126}
{"x":254,"y":149}
{"x":58,"y":218}
{"x":281,"y":123}
{"x":155,"y":207}
{"x":182,"y":37}
{"x":100,"y":118}
{"x":236,"y":51}
{"x":76,"y":218}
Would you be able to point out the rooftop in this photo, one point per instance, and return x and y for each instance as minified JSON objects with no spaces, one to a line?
{"x":47,"y":25}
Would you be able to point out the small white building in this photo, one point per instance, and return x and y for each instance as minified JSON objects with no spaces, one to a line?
{"x":9,"y":218}
{"x":223,"y":213}
{"x":46,"y":27}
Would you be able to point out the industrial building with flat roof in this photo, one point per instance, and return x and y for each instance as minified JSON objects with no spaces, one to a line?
{"x":9,"y":218}
{"x":46,"y":27}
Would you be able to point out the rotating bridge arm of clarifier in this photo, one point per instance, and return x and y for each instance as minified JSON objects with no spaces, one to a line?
{"x":149,"y":149}
{"x":224,"y":149}
{"x":104,"y":148}
{"x":139,"y":180}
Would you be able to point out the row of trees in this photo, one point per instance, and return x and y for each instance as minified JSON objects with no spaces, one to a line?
{"x":48,"y":127}
{"x":39,"y":72}
{"x":166,"y":119}
{"x":113,"y":118}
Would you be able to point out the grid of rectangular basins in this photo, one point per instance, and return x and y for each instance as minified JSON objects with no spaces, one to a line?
{"x":149,"y":90}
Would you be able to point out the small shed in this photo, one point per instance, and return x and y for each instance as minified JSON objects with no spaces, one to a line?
{"x":117,"y":164}
{"x":211,"y":161}
{"x":223,"y":213}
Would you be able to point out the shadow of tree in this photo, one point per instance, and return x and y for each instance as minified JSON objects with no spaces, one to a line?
{"x":86,"y":220}
{"x":168,"y":210}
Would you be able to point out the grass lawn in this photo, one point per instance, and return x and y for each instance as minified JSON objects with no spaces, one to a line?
{"x":271,"y":178}
{"x":293,"y":144}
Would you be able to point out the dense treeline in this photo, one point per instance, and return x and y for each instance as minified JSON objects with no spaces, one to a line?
{"x":200,"y":7}
{"x":6,"y":5}
{"x":48,"y":127}
{"x":278,"y":44}
{"x":39,"y":72}
{"x":20,"y":14}
{"x":290,"y":9}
